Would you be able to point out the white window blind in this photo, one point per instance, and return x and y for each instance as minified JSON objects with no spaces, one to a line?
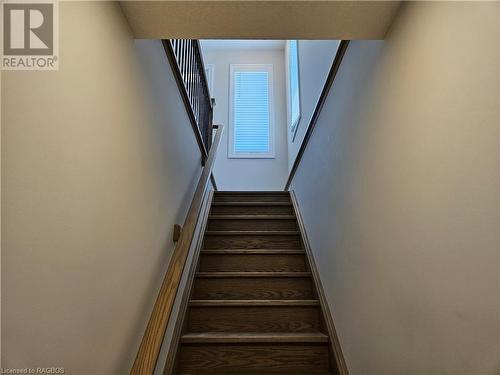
{"x":251,"y":125}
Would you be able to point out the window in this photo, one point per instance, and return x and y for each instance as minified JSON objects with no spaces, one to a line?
{"x":251,"y":117}
{"x":293,"y":85}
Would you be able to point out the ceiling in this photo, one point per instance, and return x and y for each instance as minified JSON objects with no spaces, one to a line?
{"x":256,"y":19}
{"x":233,"y":44}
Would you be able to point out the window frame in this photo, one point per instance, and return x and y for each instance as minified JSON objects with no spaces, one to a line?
{"x":293,"y":124}
{"x":269,"y":68}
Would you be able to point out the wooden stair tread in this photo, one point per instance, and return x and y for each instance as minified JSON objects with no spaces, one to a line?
{"x":244,"y":338}
{"x":245,"y":203}
{"x":225,"y":303}
{"x":258,"y":373}
{"x":252,"y":232}
{"x":253,"y":274}
{"x":251,"y":217}
{"x":252,"y":251}
{"x":253,"y":308}
{"x":251,"y":192}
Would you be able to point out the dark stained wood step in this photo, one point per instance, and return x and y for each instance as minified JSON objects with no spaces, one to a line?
{"x":263,"y":192}
{"x":252,"y":240}
{"x":251,"y":232}
{"x":247,"y":224}
{"x":245,"y":262}
{"x":225,"y":359}
{"x":259,"y":373}
{"x":253,"y":274}
{"x":254,"y":307}
{"x":241,"y":338}
{"x":251,"y":197}
{"x":251,"y":217}
{"x":250,"y":204}
{"x":251,"y":209}
{"x":275,"y":288}
{"x":235,"y":198}
{"x":242,"y":303}
{"x":244,"y":318}
{"x":252,"y":251}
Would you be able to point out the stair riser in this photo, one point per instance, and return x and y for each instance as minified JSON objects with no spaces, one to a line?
{"x":251,"y":210}
{"x":253,"y":319}
{"x":254,"y":358}
{"x":246,"y":197}
{"x":253,"y":308}
{"x":274,"y":224}
{"x":253,"y":263}
{"x":252,"y":242}
{"x":271,"y":288}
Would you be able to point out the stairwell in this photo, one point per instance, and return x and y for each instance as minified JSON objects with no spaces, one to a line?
{"x":254,"y":306}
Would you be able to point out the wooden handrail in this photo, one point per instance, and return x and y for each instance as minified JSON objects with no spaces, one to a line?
{"x":319,"y":106}
{"x":147,"y":356}
{"x":180,"y":314}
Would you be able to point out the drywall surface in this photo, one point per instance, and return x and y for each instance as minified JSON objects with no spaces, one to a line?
{"x":176,"y":308}
{"x":0,"y":225}
{"x":98,"y":162}
{"x":255,"y":19}
{"x":249,"y":174}
{"x":315,"y":60}
{"x":399,"y":192}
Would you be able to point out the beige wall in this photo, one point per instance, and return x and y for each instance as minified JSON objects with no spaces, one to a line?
{"x":0,"y":225}
{"x":98,"y":162}
{"x":249,"y":174}
{"x":399,"y":192}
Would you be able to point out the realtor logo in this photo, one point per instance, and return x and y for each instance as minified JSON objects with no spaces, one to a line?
{"x":30,"y":35}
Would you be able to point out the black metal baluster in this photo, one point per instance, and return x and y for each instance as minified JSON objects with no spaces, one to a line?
{"x":191,"y":75}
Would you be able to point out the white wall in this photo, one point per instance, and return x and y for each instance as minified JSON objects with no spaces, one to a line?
{"x":315,"y":60}
{"x":249,"y":174}
{"x":399,"y":192}
{"x":99,"y":161}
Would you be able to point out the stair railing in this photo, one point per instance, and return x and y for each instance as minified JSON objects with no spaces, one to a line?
{"x":186,"y":60}
{"x":149,"y":350}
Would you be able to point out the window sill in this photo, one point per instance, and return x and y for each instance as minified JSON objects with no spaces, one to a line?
{"x":251,"y":156}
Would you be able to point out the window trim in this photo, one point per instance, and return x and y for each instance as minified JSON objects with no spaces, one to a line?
{"x":230,"y":147}
{"x":293,"y":126}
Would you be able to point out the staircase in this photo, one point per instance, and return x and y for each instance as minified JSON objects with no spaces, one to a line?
{"x":254,"y":307}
